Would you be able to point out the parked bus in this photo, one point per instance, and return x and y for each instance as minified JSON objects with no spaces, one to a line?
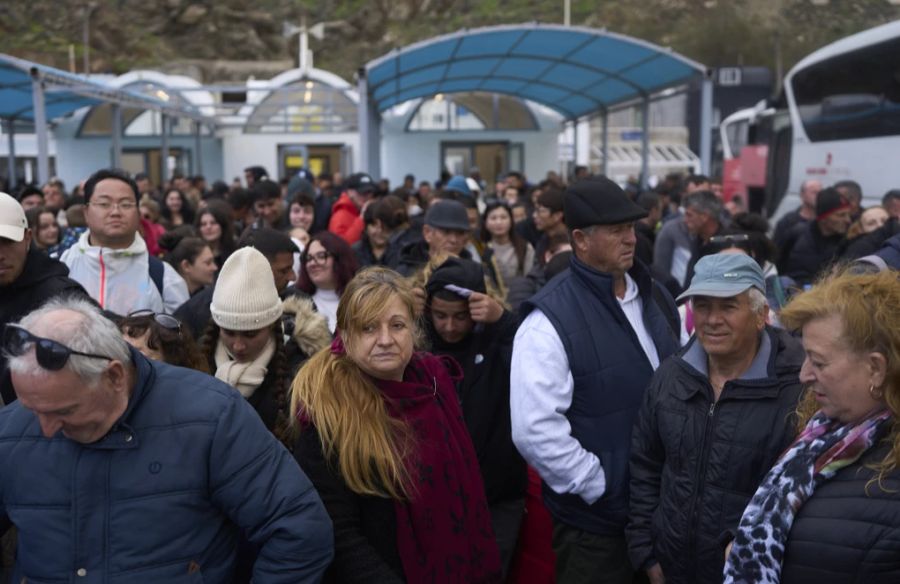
{"x":838,"y":118}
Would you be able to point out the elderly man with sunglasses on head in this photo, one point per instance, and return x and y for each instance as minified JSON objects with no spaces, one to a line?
{"x":111,"y":259}
{"x":132,"y":470}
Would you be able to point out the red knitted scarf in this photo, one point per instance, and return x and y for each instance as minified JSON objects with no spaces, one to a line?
{"x":444,"y":531}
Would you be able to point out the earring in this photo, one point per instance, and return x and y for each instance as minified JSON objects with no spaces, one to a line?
{"x":875,"y":393}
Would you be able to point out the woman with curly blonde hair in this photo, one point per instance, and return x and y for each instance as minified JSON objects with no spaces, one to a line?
{"x":381,"y":435}
{"x":829,"y":510}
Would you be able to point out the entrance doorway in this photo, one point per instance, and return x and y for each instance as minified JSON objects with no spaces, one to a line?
{"x":317,"y":159}
{"x":493,"y":159}
{"x":148,"y":160}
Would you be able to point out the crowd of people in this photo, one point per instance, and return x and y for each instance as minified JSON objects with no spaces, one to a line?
{"x":325,"y":379}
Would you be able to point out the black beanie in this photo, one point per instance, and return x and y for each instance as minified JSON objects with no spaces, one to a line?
{"x":459,"y":272}
{"x":828,"y":201}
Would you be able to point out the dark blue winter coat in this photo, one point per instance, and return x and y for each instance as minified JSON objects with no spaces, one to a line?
{"x":163,"y":496}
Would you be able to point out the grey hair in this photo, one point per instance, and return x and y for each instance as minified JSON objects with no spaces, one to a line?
{"x":704,"y":202}
{"x":93,"y":333}
{"x":758,"y":300}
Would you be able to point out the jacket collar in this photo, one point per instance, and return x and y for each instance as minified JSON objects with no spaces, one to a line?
{"x":758,"y":381}
{"x":137,"y":247}
{"x":695,"y":356}
{"x":38,"y":267}
{"x":122,"y":435}
{"x":602,"y":283}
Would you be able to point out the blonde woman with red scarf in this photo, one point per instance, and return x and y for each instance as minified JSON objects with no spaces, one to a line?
{"x":381,"y":435}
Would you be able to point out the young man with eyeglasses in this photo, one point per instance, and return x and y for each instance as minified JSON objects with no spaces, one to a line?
{"x":132,"y":470}
{"x":111,"y":259}
{"x":28,"y":277}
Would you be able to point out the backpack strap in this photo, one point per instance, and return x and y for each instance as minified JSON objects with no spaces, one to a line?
{"x":157,"y":270}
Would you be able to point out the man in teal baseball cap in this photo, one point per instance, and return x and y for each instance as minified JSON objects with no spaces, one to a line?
{"x":724,"y":275}
{"x":715,"y":418}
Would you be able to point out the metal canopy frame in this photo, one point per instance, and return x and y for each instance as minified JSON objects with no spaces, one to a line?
{"x":576,"y":71}
{"x":31,"y":93}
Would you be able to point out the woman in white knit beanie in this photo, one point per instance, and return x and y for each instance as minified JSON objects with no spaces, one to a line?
{"x":244,"y":340}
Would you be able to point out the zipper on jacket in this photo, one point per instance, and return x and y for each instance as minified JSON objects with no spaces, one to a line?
{"x":700,"y":482}
{"x":102,"y":293}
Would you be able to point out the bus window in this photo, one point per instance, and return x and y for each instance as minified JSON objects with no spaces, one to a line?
{"x":737,"y":136}
{"x":855,"y":95}
{"x":778,"y":170}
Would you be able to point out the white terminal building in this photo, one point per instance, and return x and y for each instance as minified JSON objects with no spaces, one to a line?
{"x":528,"y":98}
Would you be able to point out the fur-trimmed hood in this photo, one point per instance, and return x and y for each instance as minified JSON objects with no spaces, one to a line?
{"x":310,"y":328}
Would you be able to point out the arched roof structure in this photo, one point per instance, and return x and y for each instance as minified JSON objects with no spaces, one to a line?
{"x":179,"y":92}
{"x":302,"y":100}
{"x":575,"y":70}
{"x":34,"y":94}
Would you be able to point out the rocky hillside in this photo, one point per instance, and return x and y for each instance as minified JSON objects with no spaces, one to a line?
{"x":210,"y":36}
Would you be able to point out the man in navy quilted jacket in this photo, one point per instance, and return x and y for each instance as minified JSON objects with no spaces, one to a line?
{"x":131,"y":470}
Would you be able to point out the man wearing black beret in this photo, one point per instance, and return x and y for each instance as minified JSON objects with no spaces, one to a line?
{"x":585,"y":352}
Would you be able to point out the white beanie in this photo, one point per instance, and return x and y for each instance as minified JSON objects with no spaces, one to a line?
{"x":245,"y":298}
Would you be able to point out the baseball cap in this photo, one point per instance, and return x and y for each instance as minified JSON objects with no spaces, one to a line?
{"x":360,"y":182}
{"x":724,"y":275}
{"x":448,"y":214}
{"x":12,"y":218}
{"x":458,"y":184}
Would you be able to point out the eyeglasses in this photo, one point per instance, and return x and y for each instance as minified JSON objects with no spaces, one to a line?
{"x":51,"y":355}
{"x":108,"y":205}
{"x":318,"y":258}
{"x":735,"y":238}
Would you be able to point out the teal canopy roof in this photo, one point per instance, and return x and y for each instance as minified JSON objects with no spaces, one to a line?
{"x":574,"y":70}
{"x":66,"y":92}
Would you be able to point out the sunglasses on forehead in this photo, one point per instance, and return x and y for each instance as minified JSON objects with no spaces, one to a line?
{"x":51,"y":355}
{"x":733,"y":238}
{"x":162,"y":319}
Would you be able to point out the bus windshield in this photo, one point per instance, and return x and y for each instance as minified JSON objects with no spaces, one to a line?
{"x":854,"y":95}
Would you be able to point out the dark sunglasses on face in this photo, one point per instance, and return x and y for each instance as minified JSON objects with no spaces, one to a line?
{"x":51,"y":355}
{"x":162,"y":319}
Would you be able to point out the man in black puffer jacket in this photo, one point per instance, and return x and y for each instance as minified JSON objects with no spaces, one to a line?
{"x":714,"y":419}
{"x":28,"y":277}
{"x":814,"y":245}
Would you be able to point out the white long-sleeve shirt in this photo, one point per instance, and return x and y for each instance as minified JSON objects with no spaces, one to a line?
{"x":541,"y":388}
